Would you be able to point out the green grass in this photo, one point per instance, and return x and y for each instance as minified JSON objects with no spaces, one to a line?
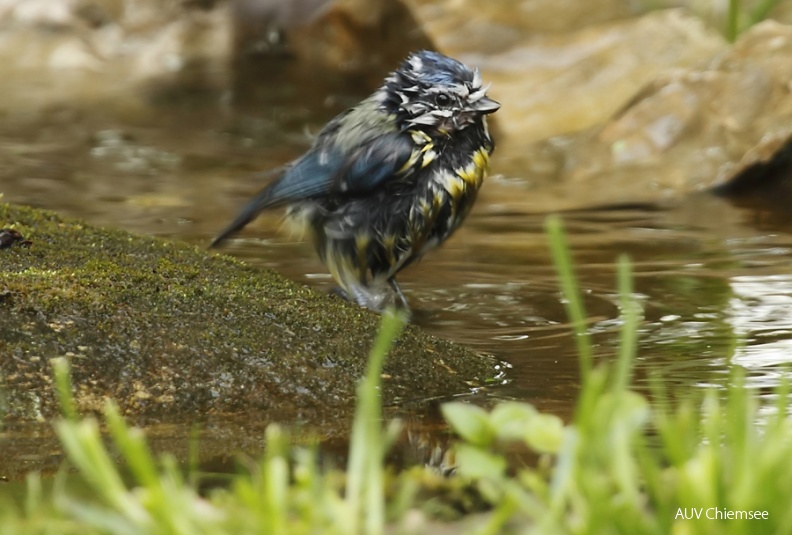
{"x":622,"y":465}
{"x":733,"y":17}
{"x":740,"y":17}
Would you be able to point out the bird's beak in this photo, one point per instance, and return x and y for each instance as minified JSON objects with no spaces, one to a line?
{"x":486,"y":105}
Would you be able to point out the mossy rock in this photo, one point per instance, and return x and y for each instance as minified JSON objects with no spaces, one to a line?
{"x":173,"y":332}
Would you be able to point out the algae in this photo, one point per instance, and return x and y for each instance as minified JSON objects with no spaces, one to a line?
{"x":173,"y":332}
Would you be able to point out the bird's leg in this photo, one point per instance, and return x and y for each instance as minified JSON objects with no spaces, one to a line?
{"x":340,"y":292}
{"x":375,"y":297}
{"x":396,"y":288}
{"x":362,"y":295}
{"x":373,"y":300}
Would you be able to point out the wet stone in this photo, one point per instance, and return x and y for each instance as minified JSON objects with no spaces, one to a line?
{"x":172,"y":332}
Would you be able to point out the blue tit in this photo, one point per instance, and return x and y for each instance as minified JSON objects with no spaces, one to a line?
{"x":390,"y":178}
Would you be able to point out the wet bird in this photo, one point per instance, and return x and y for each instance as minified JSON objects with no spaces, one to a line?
{"x":390,"y":178}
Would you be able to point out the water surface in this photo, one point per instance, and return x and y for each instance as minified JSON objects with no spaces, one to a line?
{"x":712,"y":275}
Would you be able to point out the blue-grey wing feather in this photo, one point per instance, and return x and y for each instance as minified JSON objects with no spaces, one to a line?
{"x":328,"y":170}
{"x":375,"y":163}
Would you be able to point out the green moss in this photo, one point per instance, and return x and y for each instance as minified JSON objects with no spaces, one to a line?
{"x":171,"y":331}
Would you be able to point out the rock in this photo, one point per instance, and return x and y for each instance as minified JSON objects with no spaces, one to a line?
{"x":81,"y":52}
{"x":367,"y":37}
{"x":597,"y":108}
{"x":694,"y":129}
{"x":492,"y":26}
{"x":172,"y":332}
{"x":559,"y":84}
{"x":687,"y":129}
{"x":147,"y":51}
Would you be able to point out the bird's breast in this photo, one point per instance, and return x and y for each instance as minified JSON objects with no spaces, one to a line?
{"x":449,"y":194}
{"x":464,"y":179}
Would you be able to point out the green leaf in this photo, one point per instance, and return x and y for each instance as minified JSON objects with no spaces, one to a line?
{"x":545,"y":433}
{"x":511,"y":419}
{"x":476,"y":463}
{"x":470,"y":422}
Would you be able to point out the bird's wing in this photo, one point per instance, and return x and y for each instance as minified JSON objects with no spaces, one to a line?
{"x":329,"y":170}
{"x":371,"y":165}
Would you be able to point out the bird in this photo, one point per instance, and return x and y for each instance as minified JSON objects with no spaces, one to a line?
{"x":390,"y":178}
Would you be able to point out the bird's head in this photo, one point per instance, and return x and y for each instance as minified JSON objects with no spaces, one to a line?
{"x":436,"y":94}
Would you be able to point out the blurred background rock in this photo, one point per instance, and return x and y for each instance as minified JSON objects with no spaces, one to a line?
{"x":644,"y":78}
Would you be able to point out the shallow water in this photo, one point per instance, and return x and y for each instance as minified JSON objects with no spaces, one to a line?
{"x":715,"y":289}
{"x":713,"y":276}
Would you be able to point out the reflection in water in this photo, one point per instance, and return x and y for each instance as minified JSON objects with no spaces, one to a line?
{"x":761,"y":313}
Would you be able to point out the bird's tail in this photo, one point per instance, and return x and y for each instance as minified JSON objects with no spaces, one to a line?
{"x":265,"y":198}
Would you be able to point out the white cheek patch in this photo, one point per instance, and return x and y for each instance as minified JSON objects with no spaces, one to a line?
{"x":478,"y":94}
{"x":476,"y":78}
{"x":426,"y":119}
{"x":414,"y":108}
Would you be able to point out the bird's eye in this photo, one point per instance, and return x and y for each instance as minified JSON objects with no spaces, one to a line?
{"x":442,"y":99}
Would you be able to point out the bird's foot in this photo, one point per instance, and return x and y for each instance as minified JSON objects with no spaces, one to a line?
{"x":376,"y":301}
{"x":340,"y":292}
